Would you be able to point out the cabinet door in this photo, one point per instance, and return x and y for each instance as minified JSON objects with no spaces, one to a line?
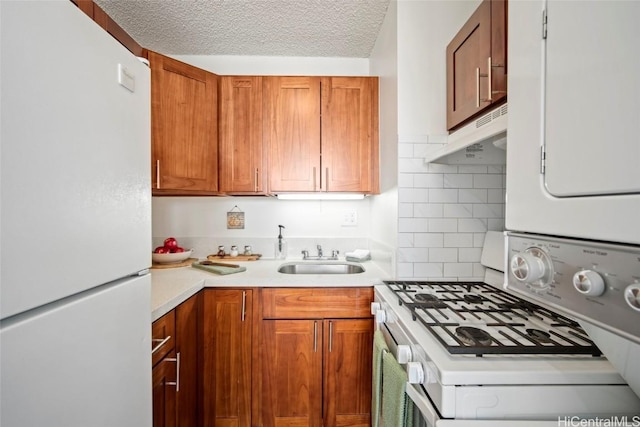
{"x":227,"y":358}
{"x":349,"y":134}
{"x":292,"y":373}
{"x":347,"y":370}
{"x":241,"y":154}
{"x":187,"y":344}
{"x":184,"y":127}
{"x":292,"y":132}
{"x":164,"y":392}
{"x":476,"y":63}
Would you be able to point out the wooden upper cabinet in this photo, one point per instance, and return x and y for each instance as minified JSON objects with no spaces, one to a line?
{"x":477,"y":64}
{"x":322,"y":133}
{"x":241,"y":158}
{"x":350,"y":134}
{"x":184,"y":128}
{"x":292,"y":132}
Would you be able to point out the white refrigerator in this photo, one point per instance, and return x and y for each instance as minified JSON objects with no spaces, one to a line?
{"x":75,"y":222}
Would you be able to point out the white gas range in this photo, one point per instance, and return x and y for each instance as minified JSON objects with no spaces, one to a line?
{"x":476,"y":352}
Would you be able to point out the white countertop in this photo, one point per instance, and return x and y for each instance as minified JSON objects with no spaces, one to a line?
{"x":172,"y":286}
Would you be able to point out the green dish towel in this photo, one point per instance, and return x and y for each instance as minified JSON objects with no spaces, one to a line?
{"x":396,"y":408}
{"x":218,"y":269}
{"x":379,"y":347}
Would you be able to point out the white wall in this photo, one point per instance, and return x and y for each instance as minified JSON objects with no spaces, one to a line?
{"x":384,"y":60}
{"x":444,"y":211}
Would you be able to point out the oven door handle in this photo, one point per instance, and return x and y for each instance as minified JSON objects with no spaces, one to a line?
{"x":423,"y":404}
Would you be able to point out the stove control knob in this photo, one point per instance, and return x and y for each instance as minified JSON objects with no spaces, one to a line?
{"x":375,"y":306}
{"x":589,"y":283}
{"x":532,"y":267}
{"x":381,"y":316}
{"x":415,"y":373}
{"x":404,"y":354}
{"x":632,"y":296}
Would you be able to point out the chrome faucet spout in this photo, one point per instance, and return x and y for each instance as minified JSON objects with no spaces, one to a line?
{"x":319,"y":251}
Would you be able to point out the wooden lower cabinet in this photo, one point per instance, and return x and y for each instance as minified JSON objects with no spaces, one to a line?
{"x":175,"y":366}
{"x":315,"y":371}
{"x":292,"y":373}
{"x":227,"y":357}
{"x":347,"y":372}
{"x":164,"y":392}
{"x":187,"y":349}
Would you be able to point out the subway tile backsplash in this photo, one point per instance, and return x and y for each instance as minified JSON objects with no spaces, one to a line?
{"x":444,"y":212}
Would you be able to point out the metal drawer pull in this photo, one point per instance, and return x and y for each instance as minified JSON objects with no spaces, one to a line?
{"x":161,"y":343}
{"x":314,"y":179}
{"x":177,"y":360}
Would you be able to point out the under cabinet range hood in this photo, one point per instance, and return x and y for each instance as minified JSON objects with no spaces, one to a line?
{"x":482,"y":141}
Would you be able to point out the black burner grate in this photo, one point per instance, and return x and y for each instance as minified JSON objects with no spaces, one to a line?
{"x":451,"y":311}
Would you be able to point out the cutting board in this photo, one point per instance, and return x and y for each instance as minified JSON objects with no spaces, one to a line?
{"x":229,"y":258}
{"x":184,"y":263}
{"x":219,"y":269}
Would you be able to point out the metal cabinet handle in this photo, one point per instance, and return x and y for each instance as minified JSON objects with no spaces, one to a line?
{"x":244,"y":304}
{"x":161,"y":343}
{"x":255,"y":186}
{"x":326,"y":182}
{"x":315,"y":336}
{"x":489,"y":99}
{"x":177,"y":360}
{"x":158,"y":174}
{"x":314,"y":178}
{"x":330,"y":336}
{"x":477,"y":87}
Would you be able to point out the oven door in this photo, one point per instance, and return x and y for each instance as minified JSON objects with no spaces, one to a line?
{"x":572,"y":162}
{"x":424,"y":412}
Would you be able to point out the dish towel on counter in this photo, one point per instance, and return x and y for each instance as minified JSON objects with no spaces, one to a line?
{"x":358,"y":255}
{"x":396,"y":408}
{"x":217,"y":269}
{"x":379,"y":347}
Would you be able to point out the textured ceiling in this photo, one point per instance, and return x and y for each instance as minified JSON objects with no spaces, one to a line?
{"x":314,"y":28}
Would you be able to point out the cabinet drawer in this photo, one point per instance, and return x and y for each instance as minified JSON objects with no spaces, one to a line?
{"x":313,"y":303}
{"x":163,"y":333}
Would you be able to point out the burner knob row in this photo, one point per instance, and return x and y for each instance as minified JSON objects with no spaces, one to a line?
{"x":404,"y":354}
{"x":589,"y":283}
{"x":415,"y":373}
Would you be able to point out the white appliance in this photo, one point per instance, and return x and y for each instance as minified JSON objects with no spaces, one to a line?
{"x":573,"y":181}
{"x":477,"y":355}
{"x":75,"y":338}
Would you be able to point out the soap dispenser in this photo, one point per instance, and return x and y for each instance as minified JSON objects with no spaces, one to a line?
{"x":280,"y":245}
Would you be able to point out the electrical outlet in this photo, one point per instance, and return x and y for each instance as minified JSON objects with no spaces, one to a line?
{"x":350,"y":219}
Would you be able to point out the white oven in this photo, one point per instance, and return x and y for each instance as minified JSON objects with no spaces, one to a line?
{"x":573,"y":167}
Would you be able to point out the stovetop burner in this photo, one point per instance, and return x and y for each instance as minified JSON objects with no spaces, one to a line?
{"x":473,"y":336}
{"x":479,"y":319}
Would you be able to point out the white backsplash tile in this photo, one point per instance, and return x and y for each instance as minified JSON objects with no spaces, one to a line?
{"x":445,"y":209}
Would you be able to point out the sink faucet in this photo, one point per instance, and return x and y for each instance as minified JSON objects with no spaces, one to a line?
{"x":320,"y":256}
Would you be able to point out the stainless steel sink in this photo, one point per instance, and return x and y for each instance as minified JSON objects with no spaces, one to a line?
{"x":322,"y":267}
